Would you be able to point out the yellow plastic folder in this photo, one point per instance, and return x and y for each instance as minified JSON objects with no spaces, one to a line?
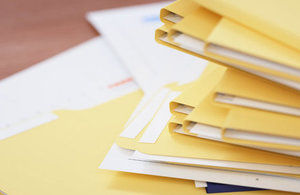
{"x":245,"y":126}
{"x":62,"y":157}
{"x":244,"y":89}
{"x":213,"y":34}
{"x":277,"y":19}
{"x":214,"y":31}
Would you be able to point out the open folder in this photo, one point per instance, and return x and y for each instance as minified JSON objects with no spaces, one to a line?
{"x":225,"y":41}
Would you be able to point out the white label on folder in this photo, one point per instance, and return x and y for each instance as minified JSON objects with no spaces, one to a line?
{"x":146,"y":115}
{"x":159,"y":122}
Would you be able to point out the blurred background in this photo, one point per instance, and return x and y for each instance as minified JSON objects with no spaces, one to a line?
{"x":34,"y":30}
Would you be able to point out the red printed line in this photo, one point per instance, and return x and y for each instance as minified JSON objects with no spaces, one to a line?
{"x":121,"y":82}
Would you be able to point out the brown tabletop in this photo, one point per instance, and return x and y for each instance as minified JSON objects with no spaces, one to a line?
{"x":34,"y":30}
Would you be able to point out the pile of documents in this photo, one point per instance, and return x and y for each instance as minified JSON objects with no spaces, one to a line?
{"x":237,"y":125}
{"x":221,"y":115}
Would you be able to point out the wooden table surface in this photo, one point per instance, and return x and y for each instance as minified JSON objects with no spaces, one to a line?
{"x":34,"y":30}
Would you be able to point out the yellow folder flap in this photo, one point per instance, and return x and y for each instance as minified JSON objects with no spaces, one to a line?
{"x":264,"y":123}
{"x":277,"y":19}
{"x":242,"y":84}
{"x":207,"y":113}
{"x":129,"y":143}
{"x":194,"y":94}
{"x":177,"y":145}
{"x":178,"y":9}
{"x":237,"y":37}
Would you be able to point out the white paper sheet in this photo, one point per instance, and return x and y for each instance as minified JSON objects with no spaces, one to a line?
{"x":217,"y":163}
{"x":82,"y":77}
{"x":130,"y":32}
{"x":200,"y":184}
{"x":118,"y":159}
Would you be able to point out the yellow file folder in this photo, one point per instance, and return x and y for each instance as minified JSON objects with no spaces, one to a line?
{"x":270,"y":56}
{"x":213,"y":34}
{"x":233,"y":87}
{"x":176,"y":145}
{"x":176,"y":126}
{"x":217,"y":31}
{"x":244,"y":126}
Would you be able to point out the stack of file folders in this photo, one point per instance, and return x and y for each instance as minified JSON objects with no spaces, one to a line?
{"x":230,"y":125}
{"x":238,"y":124}
{"x":243,"y":113}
